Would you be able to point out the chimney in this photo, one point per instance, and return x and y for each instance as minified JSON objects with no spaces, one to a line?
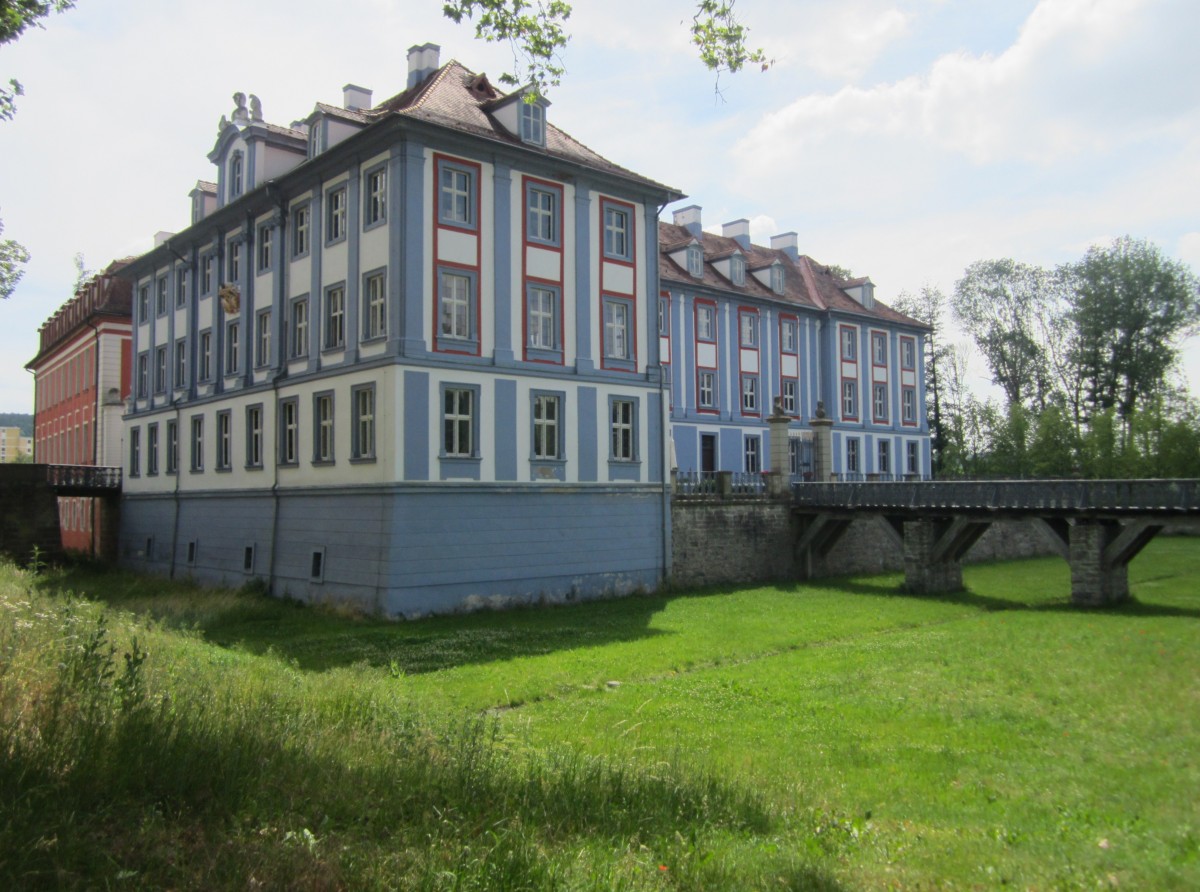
{"x":739,"y":231}
{"x":422,"y":62}
{"x":161,"y":238}
{"x":689,"y":219}
{"x":355,"y":98}
{"x":788,"y":243}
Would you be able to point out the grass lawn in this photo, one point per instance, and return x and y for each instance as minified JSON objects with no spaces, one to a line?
{"x":834,"y":735}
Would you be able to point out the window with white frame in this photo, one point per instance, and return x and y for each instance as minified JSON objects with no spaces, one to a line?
{"x":616,"y":329}
{"x":542,"y":214}
{"x":664,"y":319}
{"x":197,"y":441}
{"x":180,"y":288}
{"x":543,"y":318}
{"x":849,"y":399}
{"x":908,"y":404}
{"x":458,"y":422}
{"x":236,"y":174}
{"x":749,"y":394}
{"x":160,"y":296}
{"x":262,"y":339}
{"x":374,"y":305}
{"x":143,"y":303}
{"x":852,"y":455}
{"x":748,"y":324}
{"x":234,"y":250}
{"x":301,"y":230}
{"x":777,"y":278}
{"x":787,"y":335}
{"x":208,"y":265}
{"x":879,"y":402}
{"x":233,"y":354}
{"x":908,"y":353}
{"x":704,"y":322}
{"x":752,"y":452}
{"x":143,"y":375}
{"x":533,"y":123}
{"x":455,"y":306}
{"x":375,"y":207}
{"x":224,"y":441}
{"x":788,"y":395}
{"x":795,"y":456}
{"x":171,"y":447}
{"x":623,"y":433}
{"x":266,"y":233}
{"x":617,"y":234}
{"x":135,"y":451}
{"x":299,"y":332}
{"x":204,"y":357}
{"x":914,"y":457}
{"x":160,"y":369}
{"x":884,"y":462}
{"x":289,"y":431}
{"x":737,"y":269}
{"x":849,"y":344}
{"x":878,"y":348}
{"x":363,"y":440}
{"x":335,"y":317}
{"x":456,"y":204}
{"x":335,"y":215}
{"x":706,"y":389}
{"x":547,"y":417}
{"x":695,"y":261}
{"x":254,"y":436}
{"x":322,"y":428}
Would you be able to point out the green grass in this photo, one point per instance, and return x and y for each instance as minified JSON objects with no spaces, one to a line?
{"x":838,"y":735}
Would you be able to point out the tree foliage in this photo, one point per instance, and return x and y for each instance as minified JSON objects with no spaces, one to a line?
{"x":534,"y":31}
{"x":13,"y":257}
{"x":16,"y":17}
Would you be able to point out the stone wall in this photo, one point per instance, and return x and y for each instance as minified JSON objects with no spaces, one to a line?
{"x":28,"y":514}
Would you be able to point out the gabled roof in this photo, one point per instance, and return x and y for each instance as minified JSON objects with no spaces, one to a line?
{"x":806,"y":283}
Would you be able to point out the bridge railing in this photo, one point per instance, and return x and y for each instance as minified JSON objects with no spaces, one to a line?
{"x":1163,"y":496}
{"x":83,"y":478}
{"x":719,"y":485}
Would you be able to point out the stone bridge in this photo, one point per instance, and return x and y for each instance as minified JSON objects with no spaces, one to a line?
{"x":29,"y":515}
{"x":1098,"y":526}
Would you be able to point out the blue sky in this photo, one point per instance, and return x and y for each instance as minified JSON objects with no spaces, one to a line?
{"x":903,"y":139}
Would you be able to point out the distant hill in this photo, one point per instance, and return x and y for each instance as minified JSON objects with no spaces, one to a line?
{"x":18,"y":419}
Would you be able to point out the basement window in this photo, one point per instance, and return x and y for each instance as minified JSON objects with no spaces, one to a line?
{"x":316,"y":571}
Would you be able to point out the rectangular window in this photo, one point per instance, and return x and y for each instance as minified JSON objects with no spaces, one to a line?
{"x":749,"y":327}
{"x":704,"y":322}
{"x":878,"y":348}
{"x":335,"y":220}
{"x":172,"y":446}
{"x":777,"y":278}
{"x":879,"y":402}
{"x":914,"y":458}
{"x":375,"y":206}
{"x":458,"y":422}
{"x":323,"y":428}
{"x":233,"y":356}
{"x":254,"y":436}
{"x":849,"y":345}
{"x":885,"y":458}
{"x":224,"y":441}
{"x":301,"y":224}
{"x":207,"y":273}
{"x":205,"y":356}
{"x":749,"y":394}
{"x":695,"y":261}
{"x":543,"y":318}
{"x":753,"y":455}
{"x":664,"y":318}
{"x":265,"y":234}
{"x":160,"y":369}
{"x":849,"y":399}
{"x":787,"y":335}
{"x":908,"y":403}
{"x":618,"y":238}
{"x":908,"y":354}
{"x":541,"y":214}
{"x":363,"y":440}
{"x":546,"y":426}
{"x":456,"y":315}
{"x":335,"y":317}
{"x":197,"y":443}
{"x":300,"y":327}
{"x":289,"y":432}
{"x":180,"y":288}
{"x":456,"y":190}
{"x":135,"y":451}
{"x":152,"y":449}
{"x":262,"y":339}
{"x":788,"y":394}
{"x":623,"y":442}
{"x":795,"y":456}
{"x":143,"y":376}
{"x":533,"y":123}
{"x":374,"y":306}
{"x":852,"y":455}
{"x":235,"y":260}
{"x":143,"y":303}
{"x":160,"y":298}
{"x":737,"y":269}
{"x":180,"y":363}
{"x":706,"y":390}
{"x":617,"y":334}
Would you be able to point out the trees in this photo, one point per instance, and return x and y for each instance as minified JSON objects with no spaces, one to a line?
{"x":534,"y":31}
{"x":928,"y":306}
{"x":1131,"y":306}
{"x":13,"y":256}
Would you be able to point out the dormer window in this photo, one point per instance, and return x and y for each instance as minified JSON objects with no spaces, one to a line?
{"x":777,"y":278}
{"x":314,"y":139}
{"x":533,"y":123}
{"x":695,"y":261}
{"x":737,"y":269}
{"x":236,"y":183}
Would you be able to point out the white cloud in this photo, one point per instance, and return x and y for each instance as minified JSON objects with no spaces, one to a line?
{"x":842,"y":41}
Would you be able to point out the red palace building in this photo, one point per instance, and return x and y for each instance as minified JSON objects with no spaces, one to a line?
{"x":81,"y":380}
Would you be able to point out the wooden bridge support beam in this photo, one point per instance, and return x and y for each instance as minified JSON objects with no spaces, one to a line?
{"x":1099,"y":554}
